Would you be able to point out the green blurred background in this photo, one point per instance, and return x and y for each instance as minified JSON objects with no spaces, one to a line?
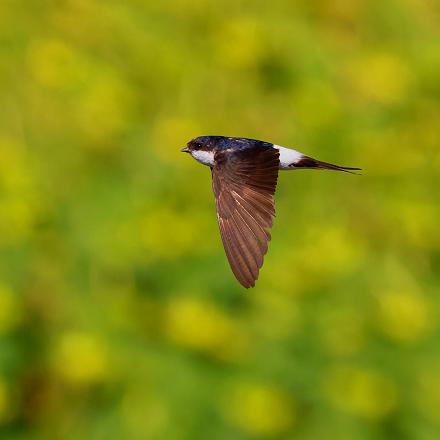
{"x":119,"y":315}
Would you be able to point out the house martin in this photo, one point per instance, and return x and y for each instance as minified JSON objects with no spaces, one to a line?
{"x":244,"y":179}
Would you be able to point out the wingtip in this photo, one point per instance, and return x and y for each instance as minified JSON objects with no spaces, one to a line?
{"x":246,"y":285}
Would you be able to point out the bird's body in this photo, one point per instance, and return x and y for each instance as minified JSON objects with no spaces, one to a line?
{"x":287,"y":157}
{"x":245,"y":173}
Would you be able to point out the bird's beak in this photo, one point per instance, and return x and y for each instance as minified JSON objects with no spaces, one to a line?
{"x":185,"y":150}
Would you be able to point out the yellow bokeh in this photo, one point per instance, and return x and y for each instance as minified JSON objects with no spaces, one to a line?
{"x":270,"y":303}
{"x":239,"y":43}
{"x":340,"y":11}
{"x":343,"y":331}
{"x":372,"y":145}
{"x":419,"y":222}
{"x":103,"y":112}
{"x":384,"y":78}
{"x":19,"y":199}
{"x":329,"y":253}
{"x":332,"y":241}
{"x":318,"y":105}
{"x":53,"y":63}
{"x":15,"y":172}
{"x":260,"y":410}
{"x":404,"y":316}
{"x":364,"y":393}
{"x":169,"y":233}
{"x":144,"y":416}
{"x":81,"y":359}
{"x":201,"y":326}
{"x":170,"y":135}
{"x":427,"y":393}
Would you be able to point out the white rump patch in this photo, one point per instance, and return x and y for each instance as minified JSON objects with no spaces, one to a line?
{"x":204,"y":157}
{"x":288,"y":157}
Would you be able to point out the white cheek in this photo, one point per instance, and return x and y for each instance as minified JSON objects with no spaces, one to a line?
{"x":288,"y":156}
{"x":204,"y":157}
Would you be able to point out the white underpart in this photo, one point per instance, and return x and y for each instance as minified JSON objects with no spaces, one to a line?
{"x":204,"y":157}
{"x":288,"y":157}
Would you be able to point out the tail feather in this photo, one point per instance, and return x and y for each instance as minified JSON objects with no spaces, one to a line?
{"x":309,"y":162}
{"x":330,"y":166}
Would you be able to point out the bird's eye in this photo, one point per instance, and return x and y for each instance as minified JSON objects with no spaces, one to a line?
{"x":197,"y":145}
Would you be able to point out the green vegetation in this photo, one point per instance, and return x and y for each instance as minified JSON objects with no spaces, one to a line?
{"x":119,"y":315}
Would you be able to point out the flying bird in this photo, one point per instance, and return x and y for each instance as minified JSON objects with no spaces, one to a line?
{"x":244,"y":179}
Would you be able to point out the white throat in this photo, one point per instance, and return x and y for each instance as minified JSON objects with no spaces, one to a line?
{"x":204,"y":157}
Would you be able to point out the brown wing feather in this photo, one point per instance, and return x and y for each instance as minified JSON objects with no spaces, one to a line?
{"x":244,"y":184}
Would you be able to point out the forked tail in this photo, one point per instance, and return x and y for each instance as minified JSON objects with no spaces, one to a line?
{"x":309,"y":162}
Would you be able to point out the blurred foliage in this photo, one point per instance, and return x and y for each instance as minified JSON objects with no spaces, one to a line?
{"x":119,"y":315}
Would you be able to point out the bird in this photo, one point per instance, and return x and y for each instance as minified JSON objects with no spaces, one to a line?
{"x":244,"y":179}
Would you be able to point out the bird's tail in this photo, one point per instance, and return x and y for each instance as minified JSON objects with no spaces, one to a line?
{"x":309,"y":162}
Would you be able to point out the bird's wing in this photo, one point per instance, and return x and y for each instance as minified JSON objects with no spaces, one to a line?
{"x":244,"y":183}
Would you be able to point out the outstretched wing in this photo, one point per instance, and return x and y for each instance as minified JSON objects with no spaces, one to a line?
{"x":244,"y":183}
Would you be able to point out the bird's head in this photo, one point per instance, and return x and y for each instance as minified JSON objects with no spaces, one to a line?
{"x":202,"y":149}
{"x":201,"y":143}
